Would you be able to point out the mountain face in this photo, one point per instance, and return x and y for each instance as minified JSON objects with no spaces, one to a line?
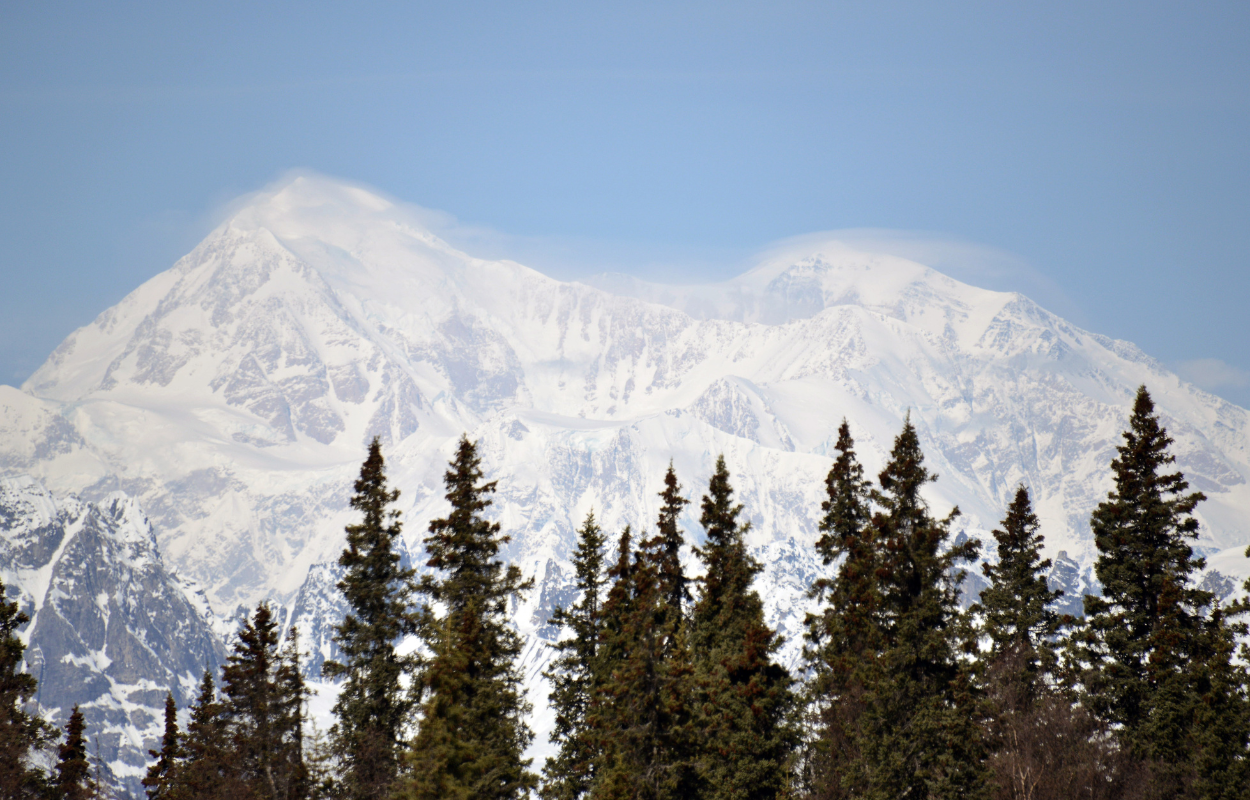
{"x":112,"y":629}
{"x":233,"y":397}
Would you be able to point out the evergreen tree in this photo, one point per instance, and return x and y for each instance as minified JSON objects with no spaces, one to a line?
{"x":569,"y":774}
{"x":611,"y":651}
{"x":666,"y":547}
{"x":1041,"y":744}
{"x":744,"y":697}
{"x":21,"y":733}
{"x":1221,"y":721}
{"x":644,"y":717}
{"x":159,"y":780}
{"x":1018,"y":618}
{"x":371,"y":708}
{"x":206,"y":771}
{"x":1156,"y":658}
{"x":844,"y":640}
{"x":472,"y":734}
{"x":72,"y":780}
{"x":264,"y":698}
{"x":920,"y":734}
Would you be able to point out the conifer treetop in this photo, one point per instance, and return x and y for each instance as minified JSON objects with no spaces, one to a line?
{"x":372,"y":707}
{"x":464,"y":544}
{"x":667,"y":545}
{"x":73,"y":771}
{"x":1142,"y":530}
{"x":1016,"y":605}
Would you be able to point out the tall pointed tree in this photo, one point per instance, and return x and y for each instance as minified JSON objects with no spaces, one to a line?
{"x":207,"y":771}
{"x":372,"y":707}
{"x":159,"y":780}
{"x":844,"y":639}
{"x":921,"y":736}
{"x":644,"y":719}
{"x":72,"y":780}
{"x":618,"y":606}
{"x":264,"y":698}
{"x":568,"y":774}
{"x":1018,"y":618}
{"x":21,"y":733}
{"x":743,"y":695}
{"x":666,"y":547}
{"x":1153,"y":651}
{"x":472,"y":733}
{"x":1039,"y":741}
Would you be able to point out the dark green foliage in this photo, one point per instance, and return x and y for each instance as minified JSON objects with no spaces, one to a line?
{"x":1157,"y":658}
{"x":21,"y":733}
{"x":1145,"y":563}
{"x":263,"y":694}
{"x":743,"y":697}
{"x":1042,"y":745}
{"x":920,"y":735}
{"x":159,"y":781}
{"x":206,"y":772}
{"x":666,"y":547}
{"x":372,"y":707}
{"x":72,"y":780}
{"x":844,"y":640}
{"x":569,"y":773}
{"x":1016,"y":608}
{"x":1221,"y":719}
{"x":472,"y":732}
{"x":643,"y":716}
{"x":612,"y":649}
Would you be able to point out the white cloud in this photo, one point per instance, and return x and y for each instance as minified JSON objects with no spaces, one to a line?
{"x":980,"y":265}
{"x":1213,"y":374}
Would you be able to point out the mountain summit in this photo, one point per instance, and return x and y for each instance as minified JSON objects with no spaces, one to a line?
{"x":232,"y":397}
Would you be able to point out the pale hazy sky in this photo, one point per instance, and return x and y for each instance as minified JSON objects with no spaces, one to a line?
{"x":1093,"y":155}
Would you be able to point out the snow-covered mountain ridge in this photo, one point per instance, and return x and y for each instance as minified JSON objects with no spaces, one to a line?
{"x":112,"y":630}
{"x":233,"y":394}
{"x":232,"y":397}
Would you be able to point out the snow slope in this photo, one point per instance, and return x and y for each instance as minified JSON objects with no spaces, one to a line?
{"x":233,"y":396}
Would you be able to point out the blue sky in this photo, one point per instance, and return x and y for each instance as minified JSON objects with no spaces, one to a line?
{"x":1094,"y":155}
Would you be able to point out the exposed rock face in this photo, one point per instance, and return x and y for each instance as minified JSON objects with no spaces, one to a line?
{"x":113,"y":631}
{"x":1068,"y":577}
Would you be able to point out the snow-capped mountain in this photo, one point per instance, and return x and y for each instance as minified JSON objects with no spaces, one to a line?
{"x":112,"y":629}
{"x":233,"y":396}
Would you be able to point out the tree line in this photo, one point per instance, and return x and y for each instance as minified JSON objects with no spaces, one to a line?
{"x":668,"y":686}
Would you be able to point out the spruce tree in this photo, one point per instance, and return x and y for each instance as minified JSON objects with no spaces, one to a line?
{"x":920,"y":734}
{"x":21,"y":733}
{"x":159,"y":780}
{"x":1039,"y":741}
{"x":744,"y":701}
{"x":666,"y":547}
{"x":1157,"y":660}
{"x":1016,"y":606}
{"x":644,"y":718}
{"x":844,"y":639}
{"x":371,"y":708}
{"x":72,"y":780}
{"x":611,"y":651}
{"x":472,"y":733}
{"x":568,"y":774}
{"x":1220,"y":681}
{"x":263,"y":695}
{"x":207,"y":771}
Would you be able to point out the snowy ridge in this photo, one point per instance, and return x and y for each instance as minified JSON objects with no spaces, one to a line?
{"x":233,"y":395}
{"x":112,"y":631}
